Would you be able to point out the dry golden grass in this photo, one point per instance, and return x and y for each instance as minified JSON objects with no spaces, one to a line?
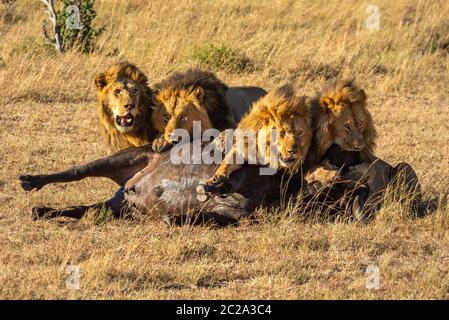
{"x":47,"y":122}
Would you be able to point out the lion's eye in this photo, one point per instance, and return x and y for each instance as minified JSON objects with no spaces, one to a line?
{"x":183,"y":118}
{"x":282,"y":133}
{"x":166,"y":117}
{"x":134,"y":90}
{"x":347,"y":126}
{"x":300,"y":133}
{"x":117,"y":91}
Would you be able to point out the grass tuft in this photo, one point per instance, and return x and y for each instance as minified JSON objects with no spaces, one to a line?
{"x":220,"y":57}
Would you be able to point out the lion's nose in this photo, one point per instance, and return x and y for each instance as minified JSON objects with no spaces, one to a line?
{"x":292,"y":151}
{"x":358,"y":145}
{"x":129,"y":106}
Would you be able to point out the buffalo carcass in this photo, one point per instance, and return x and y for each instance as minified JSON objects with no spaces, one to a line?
{"x":152,"y":184}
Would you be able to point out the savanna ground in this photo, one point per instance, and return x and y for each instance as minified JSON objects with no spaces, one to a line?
{"x":47,"y":123}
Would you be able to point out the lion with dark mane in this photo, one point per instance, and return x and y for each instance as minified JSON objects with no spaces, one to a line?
{"x":185,"y":97}
{"x":124,"y":112}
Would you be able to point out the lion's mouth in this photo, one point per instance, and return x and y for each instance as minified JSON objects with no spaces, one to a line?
{"x":287,"y":161}
{"x":125,"y":121}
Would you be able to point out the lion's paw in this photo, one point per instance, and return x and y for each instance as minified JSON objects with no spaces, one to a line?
{"x":210,"y":185}
{"x":160,"y":145}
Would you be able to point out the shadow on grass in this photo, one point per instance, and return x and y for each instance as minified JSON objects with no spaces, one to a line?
{"x":39,"y":97}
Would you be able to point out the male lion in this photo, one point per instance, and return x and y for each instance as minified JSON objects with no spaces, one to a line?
{"x":124,"y":111}
{"x":197,"y":95}
{"x":283,"y":111}
{"x":342,"y":153}
{"x":340,"y":117}
{"x":185,"y":97}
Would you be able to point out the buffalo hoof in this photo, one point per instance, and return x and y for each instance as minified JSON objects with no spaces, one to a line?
{"x":216,"y":187}
{"x":202,"y":197}
{"x":202,"y":192}
{"x":173,"y":220}
{"x":30,"y":182}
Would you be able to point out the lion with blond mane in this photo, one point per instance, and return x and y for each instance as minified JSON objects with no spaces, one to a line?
{"x":342,"y":152}
{"x":124,"y":112}
{"x":289,"y":116}
{"x":340,"y":117}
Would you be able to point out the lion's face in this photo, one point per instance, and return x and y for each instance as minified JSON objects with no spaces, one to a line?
{"x":178,"y":109}
{"x":294,"y":137}
{"x":348,"y":124}
{"x":124,"y":104}
{"x":121,"y":90}
{"x":349,"y":131}
{"x":289,"y":115}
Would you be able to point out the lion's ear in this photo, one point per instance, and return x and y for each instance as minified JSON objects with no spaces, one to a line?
{"x":156,"y":101}
{"x":327,"y":102}
{"x":140,"y":78}
{"x":362,"y":96}
{"x":198,"y":93}
{"x":100,"y":81}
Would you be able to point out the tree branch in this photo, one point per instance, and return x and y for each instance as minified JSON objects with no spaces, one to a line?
{"x":45,"y":33}
{"x":54,"y":20}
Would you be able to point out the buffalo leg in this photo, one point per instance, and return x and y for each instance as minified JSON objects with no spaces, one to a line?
{"x":117,"y":205}
{"x":405,"y":178}
{"x":404,"y":175}
{"x":75,"y":212}
{"x":119,"y":167}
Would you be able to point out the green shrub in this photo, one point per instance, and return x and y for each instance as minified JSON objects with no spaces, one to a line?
{"x":76,"y":31}
{"x":221,"y":57}
{"x":100,"y":216}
